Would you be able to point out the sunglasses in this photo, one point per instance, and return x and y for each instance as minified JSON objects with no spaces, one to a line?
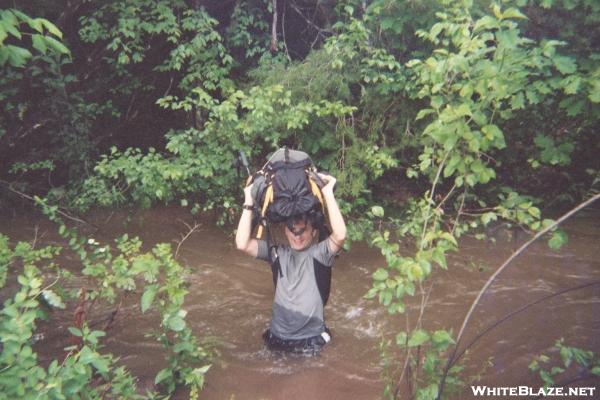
{"x":297,"y":231}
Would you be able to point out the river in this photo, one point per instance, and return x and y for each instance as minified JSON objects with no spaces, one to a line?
{"x":230,"y":297}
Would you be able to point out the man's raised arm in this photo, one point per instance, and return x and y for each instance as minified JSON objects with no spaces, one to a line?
{"x":243,"y":241}
{"x":338,"y":226}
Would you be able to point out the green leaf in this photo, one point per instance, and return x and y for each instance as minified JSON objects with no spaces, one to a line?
{"x":449,"y":237}
{"x":415,"y":272}
{"x":87,"y":355}
{"x":558,"y":239}
{"x":417,"y":338}
{"x":513,"y":13}
{"x":12,"y":15}
{"x":486,"y":22}
{"x":53,"y":299}
{"x":437,"y":102}
{"x":571,"y":84}
{"x":385,"y":297}
{"x":148,"y":297}
{"x":492,"y":132}
{"x":176,"y":323}
{"x":471,"y":180}
{"x":423,"y":113}
{"x":377,"y":211}
{"x":517,"y":101}
{"x":3,"y":34}
{"x":10,"y":26}
{"x":101,"y":364}
{"x":380,"y":275}
{"x":17,"y":56}
{"x":97,"y":334}
{"x":594,"y":95}
{"x":435,"y":30}
{"x":463,"y":110}
{"x":488,"y":217}
{"x":183,"y":347}
{"x":56,"y":45}
{"x":534,"y":365}
{"x":35,"y":283}
{"x":442,"y":337}
{"x":401,"y":339}
{"x":534,"y":211}
{"x":430,"y":392}
{"x":508,"y":39}
{"x":202,"y":370}
{"x":39,"y":43}
{"x":75,"y":331}
{"x":439,"y":257}
{"x":557,"y":370}
{"x":547,"y":378}
{"x":566,"y":65}
{"x":51,"y":28}
{"x":532,"y":96}
{"x":162,"y":375}
{"x":452,"y":164}
{"x":36,"y":24}
{"x":496,"y":10}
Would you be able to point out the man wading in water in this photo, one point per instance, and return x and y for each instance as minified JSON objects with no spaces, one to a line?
{"x":297,"y":323}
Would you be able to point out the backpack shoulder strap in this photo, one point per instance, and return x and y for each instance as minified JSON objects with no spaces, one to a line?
{"x":317,"y":192}
{"x":323,"y":278}
{"x":275,"y":265}
{"x":268,"y":200}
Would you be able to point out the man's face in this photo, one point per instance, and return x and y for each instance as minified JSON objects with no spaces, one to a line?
{"x":300,"y":234}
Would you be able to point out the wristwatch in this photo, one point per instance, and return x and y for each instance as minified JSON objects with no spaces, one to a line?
{"x":248,"y":207}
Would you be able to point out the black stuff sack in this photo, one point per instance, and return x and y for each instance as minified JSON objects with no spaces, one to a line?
{"x":286,"y":187}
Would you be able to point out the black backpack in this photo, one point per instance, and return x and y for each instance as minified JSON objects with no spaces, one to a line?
{"x":286,"y":187}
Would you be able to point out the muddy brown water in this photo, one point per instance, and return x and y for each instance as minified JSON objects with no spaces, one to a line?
{"x":230,"y":297}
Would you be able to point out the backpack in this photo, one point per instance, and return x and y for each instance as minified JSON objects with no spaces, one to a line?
{"x":287,"y":186}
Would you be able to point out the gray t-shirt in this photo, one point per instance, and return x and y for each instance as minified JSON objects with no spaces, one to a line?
{"x":297,"y":307}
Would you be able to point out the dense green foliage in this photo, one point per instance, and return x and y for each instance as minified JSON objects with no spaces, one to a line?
{"x":438,"y":117}
{"x":384,"y":90}
{"x":111,"y":276}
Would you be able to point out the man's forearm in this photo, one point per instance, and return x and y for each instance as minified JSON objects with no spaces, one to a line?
{"x":242,"y":236}
{"x":244,"y":230}
{"x":338,"y":226}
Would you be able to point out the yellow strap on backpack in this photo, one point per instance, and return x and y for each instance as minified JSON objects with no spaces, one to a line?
{"x":268,"y":200}
{"x":317,"y":192}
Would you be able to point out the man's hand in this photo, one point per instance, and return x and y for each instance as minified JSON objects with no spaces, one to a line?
{"x":329,"y":182}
